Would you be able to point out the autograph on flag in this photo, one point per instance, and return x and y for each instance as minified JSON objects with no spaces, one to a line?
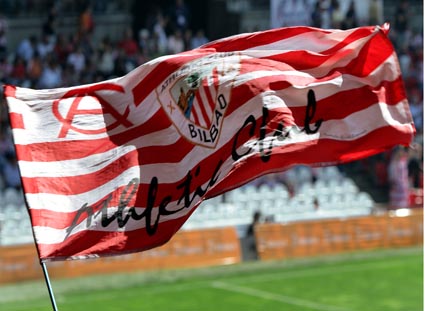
{"x":126,"y":211}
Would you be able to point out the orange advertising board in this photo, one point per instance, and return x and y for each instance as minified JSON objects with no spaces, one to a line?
{"x":186,"y":249}
{"x":277,"y":240}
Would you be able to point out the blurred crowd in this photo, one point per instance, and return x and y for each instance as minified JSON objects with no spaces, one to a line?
{"x":48,"y":58}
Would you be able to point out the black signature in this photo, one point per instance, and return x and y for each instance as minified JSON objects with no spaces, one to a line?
{"x":185,"y":198}
{"x":281,"y":132}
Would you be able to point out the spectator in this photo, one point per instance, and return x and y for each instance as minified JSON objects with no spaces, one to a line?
{"x":62,"y":48}
{"x":51,"y":77}
{"x":106,"y":59}
{"x":375,"y":12}
{"x":316,"y":15}
{"x":34,"y":69}
{"x":398,"y":179}
{"x":401,"y":23}
{"x":5,"y":69}
{"x":6,"y":142}
{"x":199,"y":39}
{"x":77,"y":59}
{"x":144,"y":40}
{"x":405,"y":61}
{"x":69,"y":76}
{"x":44,"y":47}
{"x":417,"y":107}
{"x":336,"y":15}
{"x":187,"y":39}
{"x":86,"y":21}
{"x":250,"y":235}
{"x":415,"y":167}
{"x":3,"y":34}
{"x":128,"y":45}
{"x":18,"y":74}
{"x":11,"y":171}
{"x":175,"y":42}
{"x":120,"y":67}
{"x":160,"y":36}
{"x":180,"y":16}
{"x":27,"y":47}
{"x":49,"y":26}
{"x":350,"y":20}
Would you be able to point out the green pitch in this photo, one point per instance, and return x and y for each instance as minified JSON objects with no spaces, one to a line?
{"x":384,"y":280}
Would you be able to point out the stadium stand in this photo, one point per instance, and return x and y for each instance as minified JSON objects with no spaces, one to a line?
{"x":332,"y":195}
{"x":298,"y":194}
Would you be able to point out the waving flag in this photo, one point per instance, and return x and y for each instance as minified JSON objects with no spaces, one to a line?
{"x":118,"y":166}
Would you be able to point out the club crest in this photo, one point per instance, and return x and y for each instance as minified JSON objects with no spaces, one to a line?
{"x":196,"y":96}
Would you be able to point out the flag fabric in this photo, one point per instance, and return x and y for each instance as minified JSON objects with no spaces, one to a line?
{"x":118,"y":166}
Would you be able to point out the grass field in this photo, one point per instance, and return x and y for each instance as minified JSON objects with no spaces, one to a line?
{"x":386,"y":280}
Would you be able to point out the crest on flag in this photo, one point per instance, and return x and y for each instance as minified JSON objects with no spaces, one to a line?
{"x":196,"y":96}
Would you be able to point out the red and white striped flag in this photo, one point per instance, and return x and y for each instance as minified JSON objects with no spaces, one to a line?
{"x":119,"y":166}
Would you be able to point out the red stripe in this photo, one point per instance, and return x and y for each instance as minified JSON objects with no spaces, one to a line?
{"x":303,"y":59}
{"x":337,"y":106}
{"x":199,"y":103}
{"x":194,"y":116}
{"x":86,"y":182}
{"x":370,"y":57}
{"x":205,"y":116}
{"x":345,"y":103}
{"x":243,"y":42}
{"x":327,"y":151}
{"x":210,"y":99}
{"x":358,"y":34}
{"x":16,"y":120}
{"x":102,"y":145}
{"x":84,"y":148}
{"x":9,"y":90}
{"x":324,"y":150}
{"x":393,"y":91}
{"x":99,"y":242}
{"x":66,"y":123}
{"x":333,"y":107}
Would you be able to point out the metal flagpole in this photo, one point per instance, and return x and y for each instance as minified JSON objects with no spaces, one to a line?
{"x":49,"y":286}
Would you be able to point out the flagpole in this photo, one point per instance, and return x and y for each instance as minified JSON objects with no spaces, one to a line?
{"x":49,"y":286}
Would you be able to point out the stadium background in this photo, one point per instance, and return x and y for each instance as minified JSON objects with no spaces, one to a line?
{"x":46,"y":44}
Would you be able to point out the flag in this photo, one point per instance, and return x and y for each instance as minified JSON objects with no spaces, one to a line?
{"x":118,"y":166}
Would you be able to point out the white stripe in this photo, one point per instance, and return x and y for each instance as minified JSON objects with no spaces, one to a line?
{"x":312,"y":34}
{"x":196,"y":111}
{"x":73,"y":202}
{"x":173,"y":172}
{"x":277,"y":297}
{"x":352,"y":127}
{"x":335,"y":60}
{"x":12,"y":294}
{"x":318,"y":271}
{"x":357,"y":125}
{"x":310,"y":41}
{"x":363,"y":122}
{"x":204,"y":98}
{"x":48,"y":235}
{"x":43,"y":126}
{"x":387,"y":71}
{"x":96,"y":162}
